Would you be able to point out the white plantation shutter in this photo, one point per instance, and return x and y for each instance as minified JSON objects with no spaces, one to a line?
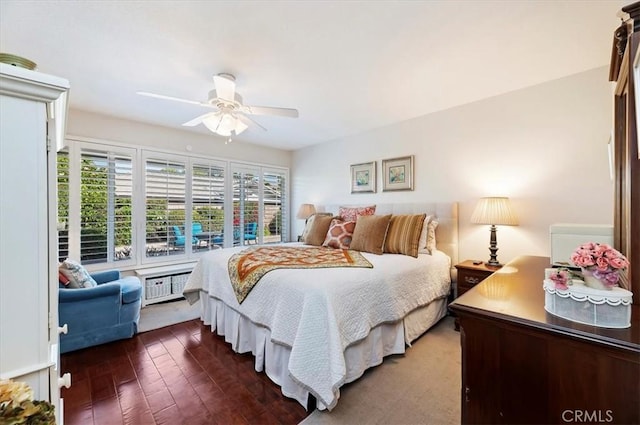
{"x":63,"y":205}
{"x":208,"y":194}
{"x":165,"y":199}
{"x":259,"y":195}
{"x":246,"y":196}
{"x":106,"y":182}
{"x":273,"y":199}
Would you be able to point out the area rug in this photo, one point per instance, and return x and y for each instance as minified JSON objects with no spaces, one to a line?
{"x":155,"y":316}
{"x":421,"y":386}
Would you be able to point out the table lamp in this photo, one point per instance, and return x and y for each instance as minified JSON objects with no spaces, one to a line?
{"x":494,"y":211}
{"x":305,"y":211}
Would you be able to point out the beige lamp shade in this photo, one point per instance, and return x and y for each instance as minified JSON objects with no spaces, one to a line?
{"x":305,"y":211}
{"x":494,"y":210}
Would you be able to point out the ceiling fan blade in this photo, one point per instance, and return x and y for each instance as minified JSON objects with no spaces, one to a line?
{"x":199,"y":119}
{"x":270,"y":110}
{"x":248,"y":121}
{"x":225,"y":87}
{"x":176,"y":99}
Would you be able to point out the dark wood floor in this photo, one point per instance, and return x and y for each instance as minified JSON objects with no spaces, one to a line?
{"x":181,"y":374}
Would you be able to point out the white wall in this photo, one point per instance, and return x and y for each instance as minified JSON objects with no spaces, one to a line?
{"x":545,"y":147}
{"x":92,"y":125}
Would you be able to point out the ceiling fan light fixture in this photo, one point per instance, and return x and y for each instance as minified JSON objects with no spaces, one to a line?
{"x":223,"y":124}
{"x":212,"y":121}
{"x":240,"y":126}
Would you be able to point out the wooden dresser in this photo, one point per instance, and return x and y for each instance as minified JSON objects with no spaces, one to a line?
{"x":521,"y":364}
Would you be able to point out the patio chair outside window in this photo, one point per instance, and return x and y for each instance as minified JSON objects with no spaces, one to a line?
{"x":179,"y":238}
{"x":250,"y":232}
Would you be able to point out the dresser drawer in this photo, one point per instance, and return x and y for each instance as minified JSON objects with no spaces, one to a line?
{"x":467,"y":279}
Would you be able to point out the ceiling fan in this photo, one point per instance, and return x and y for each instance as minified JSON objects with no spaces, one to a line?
{"x":230,"y":115}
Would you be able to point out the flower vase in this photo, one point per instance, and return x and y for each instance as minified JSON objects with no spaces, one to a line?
{"x":593,"y":282}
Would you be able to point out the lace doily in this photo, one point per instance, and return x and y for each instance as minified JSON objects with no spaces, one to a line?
{"x":579,"y":292}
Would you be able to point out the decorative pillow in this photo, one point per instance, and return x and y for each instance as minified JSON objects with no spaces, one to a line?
{"x":431,"y":236}
{"x":318,"y":231}
{"x":309,"y":223}
{"x":370,"y":233}
{"x":422,"y":243}
{"x":63,"y":279}
{"x":403,"y":234}
{"x":78,"y":276}
{"x":352,"y":213}
{"x":339,"y":234}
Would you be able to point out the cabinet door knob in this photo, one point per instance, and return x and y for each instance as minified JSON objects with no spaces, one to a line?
{"x":63,"y":329}
{"x":64,"y":380}
{"x":467,"y":390}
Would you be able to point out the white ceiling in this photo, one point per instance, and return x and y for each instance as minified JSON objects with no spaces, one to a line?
{"x":347,"y":66}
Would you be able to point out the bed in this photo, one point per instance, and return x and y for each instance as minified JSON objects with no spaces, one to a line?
{"x":313,"y":330}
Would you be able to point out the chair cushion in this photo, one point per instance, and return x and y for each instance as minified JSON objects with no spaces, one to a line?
{"x":131,"y":289}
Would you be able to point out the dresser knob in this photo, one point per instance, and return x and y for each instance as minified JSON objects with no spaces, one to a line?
{"x":64,"y":380}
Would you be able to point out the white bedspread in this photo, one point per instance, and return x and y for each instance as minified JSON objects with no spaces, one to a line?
{"x":320,"y":312}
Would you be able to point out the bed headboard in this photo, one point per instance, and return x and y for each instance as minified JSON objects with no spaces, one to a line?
{"x":445,"y":212}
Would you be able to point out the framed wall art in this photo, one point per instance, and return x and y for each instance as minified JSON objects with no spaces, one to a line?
{"x":397,"y":173}
{"x":363,"y":177}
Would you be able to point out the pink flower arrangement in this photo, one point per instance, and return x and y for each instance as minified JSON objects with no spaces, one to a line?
{"x":602,"y":260}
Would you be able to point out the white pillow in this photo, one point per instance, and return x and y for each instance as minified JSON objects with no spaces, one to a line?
{"x":422,"y":242}
{"x":431,"y":236}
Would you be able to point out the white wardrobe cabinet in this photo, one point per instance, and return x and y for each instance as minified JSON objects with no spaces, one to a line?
{"x":32,"y":108}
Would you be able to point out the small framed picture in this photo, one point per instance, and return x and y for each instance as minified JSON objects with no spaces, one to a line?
{"x":363,"y":177}
{"x":397,"y":173}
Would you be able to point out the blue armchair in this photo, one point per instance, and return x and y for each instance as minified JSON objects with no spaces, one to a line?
{"x":105,"y":313}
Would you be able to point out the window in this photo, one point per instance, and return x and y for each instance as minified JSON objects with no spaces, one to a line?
{"x":246,"y":197}
{"x":208,"y":189}
{"x":273,"y":211}
{"x":106,"y":180}
{"x":98,"y":226}
{"x":63,"y":205}
{"x":128,"y":206}
{"x":259,"y":205}
{"x":165,"y":202}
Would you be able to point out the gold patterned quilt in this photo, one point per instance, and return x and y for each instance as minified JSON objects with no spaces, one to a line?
{"x":248,"y":266}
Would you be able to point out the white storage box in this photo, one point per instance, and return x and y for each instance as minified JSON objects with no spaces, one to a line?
{"x":178,"y":281}
{"x":156,"y":287}
{"x":565,"y":238}
{"x":579,"y":303}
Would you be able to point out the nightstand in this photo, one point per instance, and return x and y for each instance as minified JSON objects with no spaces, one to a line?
{"x":469,"y":275}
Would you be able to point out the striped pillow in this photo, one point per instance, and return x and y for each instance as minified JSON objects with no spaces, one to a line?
{"x":403,"y":234}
